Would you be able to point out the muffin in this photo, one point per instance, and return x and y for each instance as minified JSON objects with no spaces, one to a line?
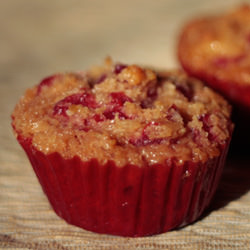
{"x":216,"y":49}
{"x":125,"y":150}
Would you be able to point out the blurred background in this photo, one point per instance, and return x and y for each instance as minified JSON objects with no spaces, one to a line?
{"x":42,"y":37}
{"x":39,"y":38}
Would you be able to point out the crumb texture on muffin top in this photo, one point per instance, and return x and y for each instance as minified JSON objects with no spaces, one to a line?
{"x":124,"y":113}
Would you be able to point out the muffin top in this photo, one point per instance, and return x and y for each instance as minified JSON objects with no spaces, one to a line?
{"x":217,"y":49}
{"x":124,"y":113}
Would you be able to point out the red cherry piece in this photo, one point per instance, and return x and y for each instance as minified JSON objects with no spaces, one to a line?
{"x":225,"y":61}
{"x":144,"y":139}
{"x":84,"y":99}
{"x":170,"y":112}
{"x":151,"y":96}
{"x":93,"y":82}
{"x":98,"y":118}
{"x":46,"y":82}
{"x":118,"y":68}
{"x":248,"y":38}
{"x":205,"y":118}
{"x":101,"y":79}
{"x":116,"y":104}
{"x":119,"y":98}
{"x":185,"y":89}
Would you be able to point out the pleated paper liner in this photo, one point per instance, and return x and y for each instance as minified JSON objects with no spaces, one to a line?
{"x":129,"y":200}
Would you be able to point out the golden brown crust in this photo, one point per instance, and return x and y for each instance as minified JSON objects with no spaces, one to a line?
{"x":124,"y":113}
{"x":217,"y":49}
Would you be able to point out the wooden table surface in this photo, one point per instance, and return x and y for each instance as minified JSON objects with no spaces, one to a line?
{"x":38,"y":38}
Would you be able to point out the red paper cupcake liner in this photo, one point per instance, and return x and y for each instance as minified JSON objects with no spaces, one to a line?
{"x":127,"y":201}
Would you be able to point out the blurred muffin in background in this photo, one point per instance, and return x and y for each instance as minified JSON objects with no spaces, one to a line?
{"x":216,"y":49}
